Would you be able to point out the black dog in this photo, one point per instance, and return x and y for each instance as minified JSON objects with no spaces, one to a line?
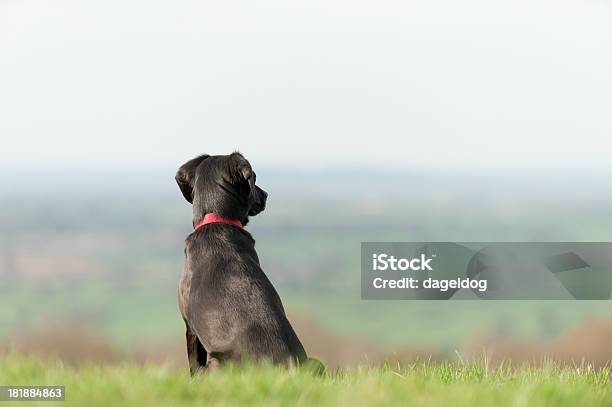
{"x":231,"y":309}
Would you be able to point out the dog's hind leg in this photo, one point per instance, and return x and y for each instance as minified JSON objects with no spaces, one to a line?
{"x":196,"y":353}
{"x":213,"y":363}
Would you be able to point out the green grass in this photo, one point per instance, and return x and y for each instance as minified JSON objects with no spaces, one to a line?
{"x":419,"y":385}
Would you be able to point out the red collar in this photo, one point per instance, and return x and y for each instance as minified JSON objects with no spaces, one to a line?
{"x":213,"y":218}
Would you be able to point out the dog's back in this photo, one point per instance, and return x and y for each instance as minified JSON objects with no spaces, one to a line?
{"x":229,"y":302}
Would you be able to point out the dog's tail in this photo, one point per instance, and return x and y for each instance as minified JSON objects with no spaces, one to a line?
{"x":313,"y":365}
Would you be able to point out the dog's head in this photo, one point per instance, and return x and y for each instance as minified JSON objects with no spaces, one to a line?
{"x":223,"y":185}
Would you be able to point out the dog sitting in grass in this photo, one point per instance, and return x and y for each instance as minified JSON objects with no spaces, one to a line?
{"x":231,"y":310}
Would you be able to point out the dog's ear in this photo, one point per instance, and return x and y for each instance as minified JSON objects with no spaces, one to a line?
{"x":242,"y":171}
{"x":247,"y":175}
{"x":185,"y":176}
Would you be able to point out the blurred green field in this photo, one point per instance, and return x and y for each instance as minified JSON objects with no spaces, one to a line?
{"x":107,"y":260}
{"x":417,"y":385}
{"x":133,"y":311}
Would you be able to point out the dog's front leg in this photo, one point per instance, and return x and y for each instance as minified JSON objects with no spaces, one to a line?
{"x":196,"y":353}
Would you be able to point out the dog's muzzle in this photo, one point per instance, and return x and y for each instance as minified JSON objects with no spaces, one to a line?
{"x":259,"y":201}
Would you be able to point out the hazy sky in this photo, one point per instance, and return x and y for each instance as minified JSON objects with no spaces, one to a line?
{"x":427,"y":83}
